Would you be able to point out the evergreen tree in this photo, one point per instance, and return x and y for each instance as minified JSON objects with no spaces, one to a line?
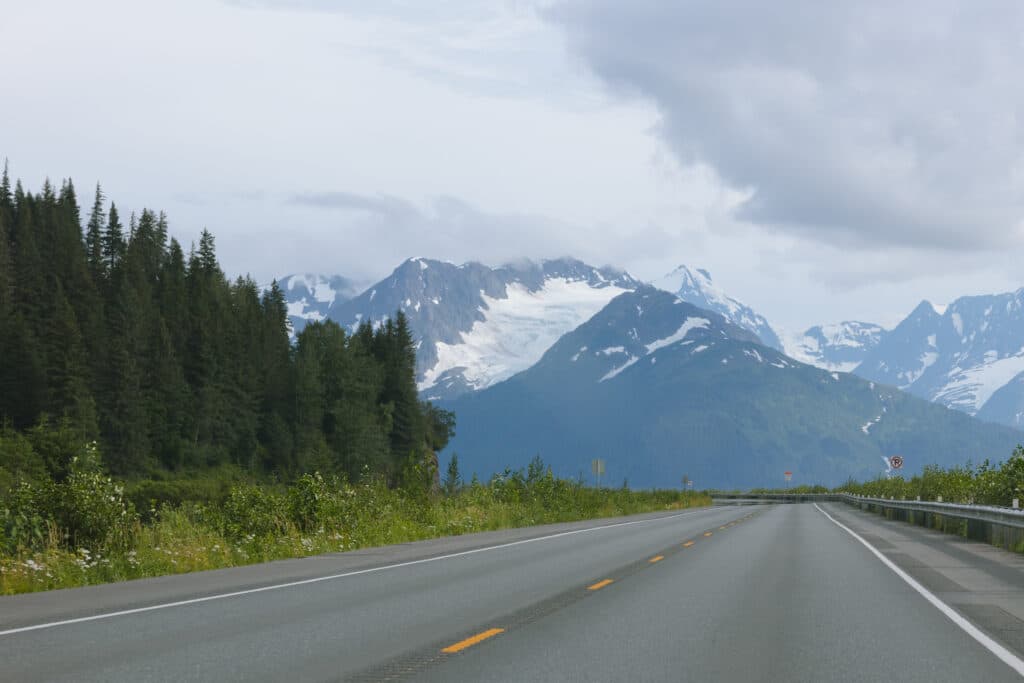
{"x":407,"y":434}
{"x":112,"y":242}
{"x":94,"y":238}
{"x":452,"y":477}
{"x":5,"y":187}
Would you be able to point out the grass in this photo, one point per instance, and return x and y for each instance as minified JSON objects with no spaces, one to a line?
{"x":314,"y":516}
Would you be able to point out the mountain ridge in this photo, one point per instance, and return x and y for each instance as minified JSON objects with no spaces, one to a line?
{"x":714,"y":403}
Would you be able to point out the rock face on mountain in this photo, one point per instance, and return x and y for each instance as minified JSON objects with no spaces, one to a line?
{"x":660,"y":388}
{"x":696,"y":287}
{"x":969,"y":357}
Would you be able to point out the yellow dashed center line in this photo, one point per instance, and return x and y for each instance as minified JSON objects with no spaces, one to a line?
{"x":599,"y":585}
{"x":707,"y":533}
{"x":688,"y":544}
{"x":656,"y":558}
{"x":472,"y":640}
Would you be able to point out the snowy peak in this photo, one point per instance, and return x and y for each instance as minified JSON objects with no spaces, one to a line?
{"x":696,"y":287}
{"x":638,"y":327}
{"x":310,"y":296}
{"x":477,"y":325}
{"x":841,"y":346}
{"x":960,"y":358}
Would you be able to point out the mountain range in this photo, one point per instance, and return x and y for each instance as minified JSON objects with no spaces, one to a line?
{"x":659,"y":388}
{"x":969,"y":357}
{"x":479,"y":325}
{"x":494,"y":343}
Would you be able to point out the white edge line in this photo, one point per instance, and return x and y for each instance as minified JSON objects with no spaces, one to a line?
{"x":1009,"y":658}
{"x":318,"y":579}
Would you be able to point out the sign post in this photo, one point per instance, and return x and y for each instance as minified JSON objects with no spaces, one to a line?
{"x":597,"y":467}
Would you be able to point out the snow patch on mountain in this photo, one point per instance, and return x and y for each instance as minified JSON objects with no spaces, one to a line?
{"x":969,"y":389}
{"x":516,"y":330}
{"x":680,"y":334}
{"x":619,"y":368}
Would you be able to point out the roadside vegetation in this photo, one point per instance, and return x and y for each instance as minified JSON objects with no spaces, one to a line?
{"x":983,"y":484}
{"x":89,"y":528}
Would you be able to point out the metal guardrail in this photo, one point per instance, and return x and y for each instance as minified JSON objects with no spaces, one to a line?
{"x":980,"y":513}
{"x":1000,"y":526}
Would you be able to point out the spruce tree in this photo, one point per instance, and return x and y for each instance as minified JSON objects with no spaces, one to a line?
{"x":94,"y":239}
{"x":5,"y":187}
{"x":113,"y":243}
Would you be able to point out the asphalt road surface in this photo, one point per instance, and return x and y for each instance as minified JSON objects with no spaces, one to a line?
{"x":762,"y":593}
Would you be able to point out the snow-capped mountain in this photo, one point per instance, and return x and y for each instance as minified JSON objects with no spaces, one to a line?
{"x":478,"y":325}
{"x":966,"y":357}
{"x":310,"y":296}
{"x":695,"y":287}
{"x":640,"y":329}
{"x":658,"y":387}
{"x":842,"y":346}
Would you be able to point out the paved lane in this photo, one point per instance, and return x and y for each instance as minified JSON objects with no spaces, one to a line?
{"x":330,"y":629}
{"x":768,"y":593}
{"x":787,"y":596}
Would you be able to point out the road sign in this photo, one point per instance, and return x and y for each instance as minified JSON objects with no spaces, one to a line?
{"x":597,"y":467}
{"x":788,"y":475}
{"x":896,"y":462}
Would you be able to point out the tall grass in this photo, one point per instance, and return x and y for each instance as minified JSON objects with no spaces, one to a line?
{"x":50,"y":538}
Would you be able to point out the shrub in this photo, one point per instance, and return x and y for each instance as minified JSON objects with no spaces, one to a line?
{"x":307,"y":500}
{"x":87,"y":509}
{"x":252,"y":511}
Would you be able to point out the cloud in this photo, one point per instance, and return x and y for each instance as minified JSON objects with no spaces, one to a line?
{"x":852,"y":124}
{"x":389,"y":228}
{"x":499,"y":48}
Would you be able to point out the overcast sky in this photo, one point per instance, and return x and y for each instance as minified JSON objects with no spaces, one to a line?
{"x":825,"y":161}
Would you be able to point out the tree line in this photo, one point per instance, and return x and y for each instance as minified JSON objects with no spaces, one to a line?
{"x":111,"y":331}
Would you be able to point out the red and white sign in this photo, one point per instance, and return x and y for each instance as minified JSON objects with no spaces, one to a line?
{"x":788,"y":475}
{"x":896,"y":462}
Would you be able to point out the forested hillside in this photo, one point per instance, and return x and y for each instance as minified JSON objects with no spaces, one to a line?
{"x":110,"y":330}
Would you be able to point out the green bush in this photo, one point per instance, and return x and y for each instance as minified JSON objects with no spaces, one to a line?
{"x":253,"y":512}
{"x":23,"y":526}
{"x":309,"y":501}
{"x":87,"y":509}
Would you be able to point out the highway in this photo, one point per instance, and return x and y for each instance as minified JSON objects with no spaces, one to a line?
{"x":756,"y":593}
